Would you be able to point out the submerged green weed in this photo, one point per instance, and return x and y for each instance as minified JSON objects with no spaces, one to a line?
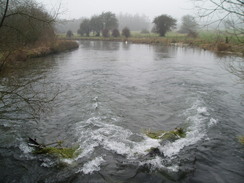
{"x":59,"y":152}
{"x":167,"y":135}
{"x":241,"y":139}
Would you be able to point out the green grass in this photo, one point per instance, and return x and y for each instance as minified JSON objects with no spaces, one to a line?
{"x":167,"y":135}
{"x":204,"y":36}
{"x":216,"y":36}
{"x":241,"y":139}
{"x":58,"y":152}
{"x":141,"y":35}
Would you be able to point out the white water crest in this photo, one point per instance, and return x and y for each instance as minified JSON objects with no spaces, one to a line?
{"x":25,"y":148}
{"x":158,"y":163}
{"x":155,"y":163}
{"x":102,"y":132}
{"x":199,"y":120}
{"x":48,"y":163}
{"x":212,"y":122}
{"x":95,"y":103}
{"x":112,"y":138}
{"x":91,"y":166}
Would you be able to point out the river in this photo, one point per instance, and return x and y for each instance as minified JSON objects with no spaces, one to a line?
{"x":102,"y":98}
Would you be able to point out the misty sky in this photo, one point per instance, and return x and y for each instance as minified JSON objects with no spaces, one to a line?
{"x":85,"y":8}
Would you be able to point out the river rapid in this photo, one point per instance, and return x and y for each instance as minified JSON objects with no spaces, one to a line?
{"x":102,"y":98}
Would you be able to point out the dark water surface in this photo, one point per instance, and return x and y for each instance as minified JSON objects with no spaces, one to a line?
{"x":109,"y":93}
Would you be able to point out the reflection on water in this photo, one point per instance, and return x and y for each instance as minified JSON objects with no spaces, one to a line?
{"x":235,"y":65}
{"x":111,"y":93}
{"x":100,"y":45}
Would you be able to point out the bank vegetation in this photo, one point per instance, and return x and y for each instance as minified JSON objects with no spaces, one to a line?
{"x":27,"y":30}
{"x":216,"y":41}
{"x":106,"y":27}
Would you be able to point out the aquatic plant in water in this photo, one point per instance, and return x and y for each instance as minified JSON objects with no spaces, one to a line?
{"x":172,"y":135}
{"x":241,"y":139}
{"x":57,"y":151}
{"x":167,"y":135}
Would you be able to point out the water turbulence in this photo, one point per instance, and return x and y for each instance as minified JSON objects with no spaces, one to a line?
{"x":113,"y":95}
{"x":103,"y":135}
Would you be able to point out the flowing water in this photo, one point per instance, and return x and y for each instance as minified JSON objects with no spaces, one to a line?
{"x":108,"y":95}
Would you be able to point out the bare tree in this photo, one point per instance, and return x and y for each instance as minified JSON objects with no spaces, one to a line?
{"x":189,"y":26}
{"x":227,"y":12}
{"x":22,"y":23}
{"x":21,"y":100}
{"x":234,"y":65}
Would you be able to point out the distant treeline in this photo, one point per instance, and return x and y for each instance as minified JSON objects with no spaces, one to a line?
{"x":133,"y":22}
{"x":109,"y":24}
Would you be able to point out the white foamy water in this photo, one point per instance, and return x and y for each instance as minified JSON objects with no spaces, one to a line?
{"x":25,"y":148}
{"x":158,"y":163}
{"x":111,"y":137}
{"x":47,"y":163}
{"x":95,"y":102}
{"x":199,"y":121}
{"x":91,"y":166}
{"x":103,"y":133}
{"x":155,"y":163}
{"x":212,"y":122}
{"x":100,"y":132}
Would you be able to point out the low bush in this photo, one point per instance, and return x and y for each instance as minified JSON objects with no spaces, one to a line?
{"x":223,"y":47}
{"x":105,"y":33}
{"x":115,"y":33}
{"x":126,"y":32}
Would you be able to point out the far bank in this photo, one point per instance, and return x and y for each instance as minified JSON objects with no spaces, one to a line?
{"x":211,"y":42}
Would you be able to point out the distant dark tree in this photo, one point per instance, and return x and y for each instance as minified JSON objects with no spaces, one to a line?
{"x":109,"y":20}
{"x":115,"y":33}
{"x":189,"y":26}
{"x":69,"y":34}
{"x":85,"y":27}
{"x":96,"y":24}
{"x":126,"y":32}
{"x":105,"y":33}
{"x":163,"y":24}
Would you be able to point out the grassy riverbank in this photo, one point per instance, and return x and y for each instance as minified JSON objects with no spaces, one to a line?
{"x":44,"y":49}
{"x":213,"y":41}
{"x":10,"y":57}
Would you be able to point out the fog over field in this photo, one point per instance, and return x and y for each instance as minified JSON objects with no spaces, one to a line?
{"x":74,"y":9}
